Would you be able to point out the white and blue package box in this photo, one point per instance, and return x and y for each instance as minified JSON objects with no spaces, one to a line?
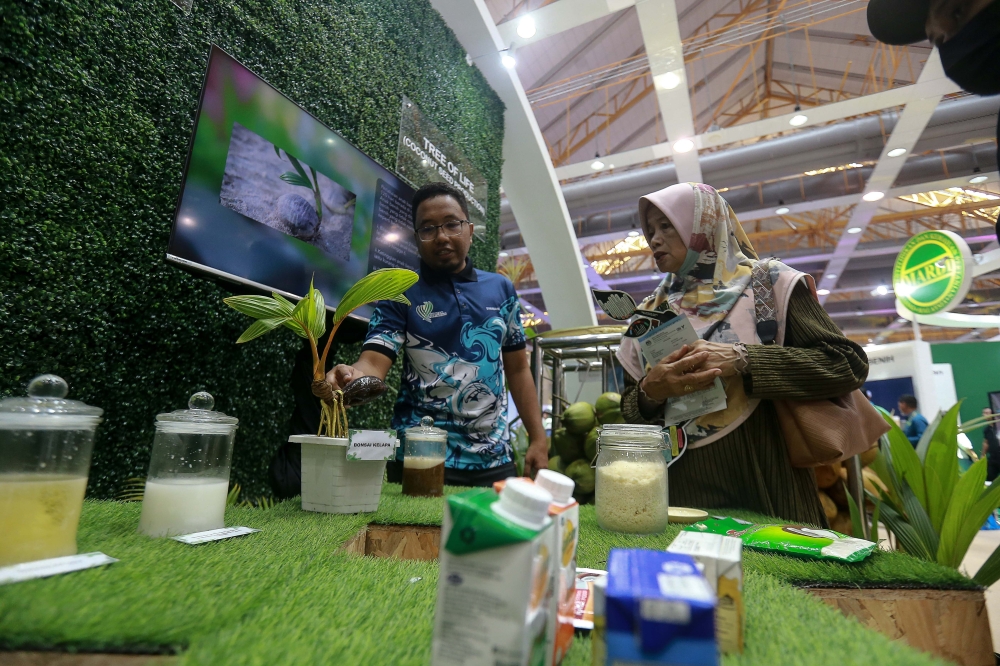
{"x":659,"y":609}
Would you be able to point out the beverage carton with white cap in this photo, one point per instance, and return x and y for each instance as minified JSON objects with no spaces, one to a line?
{"x":496,"y":578}
{"x":565,"y":514}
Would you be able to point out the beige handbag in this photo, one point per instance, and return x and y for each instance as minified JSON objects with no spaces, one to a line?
{"x":817,"y":432}
{"x":820,"y":432}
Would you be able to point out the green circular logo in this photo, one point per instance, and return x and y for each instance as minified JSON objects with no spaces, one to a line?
{"x":930,"y":274}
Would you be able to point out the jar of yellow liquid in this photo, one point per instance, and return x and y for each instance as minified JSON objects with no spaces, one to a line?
{"x":45,"y":446}
{"x":188,"y":478}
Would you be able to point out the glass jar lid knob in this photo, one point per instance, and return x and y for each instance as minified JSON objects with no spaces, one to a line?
{"x":202,"y":400}
{"x":48,"y":386}
{"x":426,"y":422}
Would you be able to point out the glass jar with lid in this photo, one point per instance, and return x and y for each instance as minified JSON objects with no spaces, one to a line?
{"x":424,"y":452}
{"x":45,"y":447}
{"x":188,"y":479}
{"x":631,"y":478}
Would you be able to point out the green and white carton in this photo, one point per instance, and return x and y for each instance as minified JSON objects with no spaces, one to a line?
{"x":496,"y":578}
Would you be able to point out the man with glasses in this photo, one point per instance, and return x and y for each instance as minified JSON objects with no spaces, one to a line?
{"x":463,"y":347}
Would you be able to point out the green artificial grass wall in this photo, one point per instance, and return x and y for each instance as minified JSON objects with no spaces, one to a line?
{"x":286,"y":595}
{"x":976,"y":368}
{"x":97,"y":105}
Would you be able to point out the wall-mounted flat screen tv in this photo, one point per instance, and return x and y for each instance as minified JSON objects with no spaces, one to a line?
{"x":272,"y":198}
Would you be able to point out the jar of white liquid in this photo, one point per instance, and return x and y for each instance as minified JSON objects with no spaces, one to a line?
{"x":45,"y":446}
{"x":188,"y":478}
{"x":631,"y":479}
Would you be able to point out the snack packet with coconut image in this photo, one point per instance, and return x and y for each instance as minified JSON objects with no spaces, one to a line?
{"x":812,"y":542}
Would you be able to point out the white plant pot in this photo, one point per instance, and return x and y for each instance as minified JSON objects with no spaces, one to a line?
{"x":333,"y":484}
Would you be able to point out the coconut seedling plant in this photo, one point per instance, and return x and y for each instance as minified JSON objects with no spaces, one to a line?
{"x":307,"y":319}
{"x":933,"y":510}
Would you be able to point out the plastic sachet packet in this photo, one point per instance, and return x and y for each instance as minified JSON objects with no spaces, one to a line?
{"x":810,"y":542}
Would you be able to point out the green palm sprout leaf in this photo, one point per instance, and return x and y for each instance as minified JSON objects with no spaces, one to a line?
{"x":941,"y":466}
{"x":921,"y":522}
{"x":260,"y":307}
{"x":989,"y":573}
{"x":986,"y":503}
{"x":857,"y":530}
{"x":905,"y":461}
{"x":259,"y":328}
{"x":316,"y":317}
{"x":905,"y":534}
{"x":925,"y":439}
{"x":968,"y":489}
{"x":385,"y":284}
{"x":293,"y":178}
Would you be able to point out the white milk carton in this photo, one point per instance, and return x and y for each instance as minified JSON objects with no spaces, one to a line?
{"x":722,"y":560}
{"x":565,"y":513}
{"x":496,"y":578}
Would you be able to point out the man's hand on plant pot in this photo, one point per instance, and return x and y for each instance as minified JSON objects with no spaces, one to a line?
{"x":536,"y":457}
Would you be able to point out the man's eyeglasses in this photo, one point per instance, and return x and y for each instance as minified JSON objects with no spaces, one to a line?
{"x":430,"y":232}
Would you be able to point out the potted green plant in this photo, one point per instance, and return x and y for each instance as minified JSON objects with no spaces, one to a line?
{"x":933,"y":510}
{"x":330,"y":482}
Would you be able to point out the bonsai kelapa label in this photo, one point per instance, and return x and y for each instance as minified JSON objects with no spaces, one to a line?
{"x":932,"y":272}
{"x":372,"y":445}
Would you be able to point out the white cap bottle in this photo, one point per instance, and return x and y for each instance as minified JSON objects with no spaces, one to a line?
{"x":524,"y":503}
{"x":560,"y":485}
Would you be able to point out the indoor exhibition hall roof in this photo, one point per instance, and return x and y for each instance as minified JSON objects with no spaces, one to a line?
{"x":832,"y":148}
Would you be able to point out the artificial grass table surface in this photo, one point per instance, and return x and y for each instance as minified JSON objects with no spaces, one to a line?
{"x":286,"y":595}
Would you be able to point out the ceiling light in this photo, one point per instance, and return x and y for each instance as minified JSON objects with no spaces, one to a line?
{"x":683,"y":145}
{"x":654,"y":277}
{"x":854,"y":230}
{"x":831,"y":276}
{"x":633,"y":233}
{"x":782,"y":210}
{"x":503,"y":254}
{"x":526,"y":27}
{"x":546,"y":313}
{"x":975,"y":180}
{"x":668,"y":81}
{"x":896,"y":152}
{"x":597,"y":164}
{"x":823,"y":292}
{"x":873,"y":196}
{"x":881,"y":290}
{"x":798,"y":120}
{"x":507,"y":59}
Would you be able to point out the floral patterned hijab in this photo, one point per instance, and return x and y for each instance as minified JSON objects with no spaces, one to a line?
{"x":713,"y":288}
{"x":719,"y":259}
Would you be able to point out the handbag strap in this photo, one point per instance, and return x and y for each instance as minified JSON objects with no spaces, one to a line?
{"x":765,"y":309}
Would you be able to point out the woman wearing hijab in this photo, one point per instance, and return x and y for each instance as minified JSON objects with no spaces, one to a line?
{"x":736,"y":457}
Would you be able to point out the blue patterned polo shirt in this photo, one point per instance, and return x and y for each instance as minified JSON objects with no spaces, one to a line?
{"x":453,"y":335}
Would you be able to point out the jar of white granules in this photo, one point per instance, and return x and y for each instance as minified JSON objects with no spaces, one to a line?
{"x":631,"y":478}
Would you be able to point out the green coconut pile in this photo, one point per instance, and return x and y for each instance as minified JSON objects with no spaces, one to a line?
{"x":573,"y":446}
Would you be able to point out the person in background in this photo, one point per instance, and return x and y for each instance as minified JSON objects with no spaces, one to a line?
{"x":463,"y":347}
{"x":991,"y":448}
{"x":912,"y":422}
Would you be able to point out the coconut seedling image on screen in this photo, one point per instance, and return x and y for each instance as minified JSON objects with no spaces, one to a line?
{"x":275,"y":199}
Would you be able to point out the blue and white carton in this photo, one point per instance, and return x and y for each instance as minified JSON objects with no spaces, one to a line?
{"x":659,"y":609}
